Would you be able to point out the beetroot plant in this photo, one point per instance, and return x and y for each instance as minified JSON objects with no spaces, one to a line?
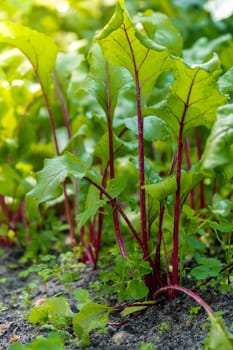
{"x":144,"y":162}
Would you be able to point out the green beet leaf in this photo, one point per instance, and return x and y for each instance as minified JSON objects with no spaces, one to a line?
{"x":123,"y":44}
{"x":89,"y":213}
{"x":39,"y":49}
{"x":159,"y":29}
{"x":102,"y":147}
{"x":154,"y":128}
{"x":106,"y":80}
{"x":203,"y":49}
{"x":219,"y":147}
{"x":194,"y":97}
{"x":51,"y":177}
{"x":225,"y":82}
{"x":116,"y":186}
{"x":168,"y":185}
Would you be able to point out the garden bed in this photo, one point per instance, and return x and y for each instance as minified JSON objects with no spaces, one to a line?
{"x":169,"y":325}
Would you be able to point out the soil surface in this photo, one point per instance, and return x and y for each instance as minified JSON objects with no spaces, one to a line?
{"x":169,"y":325}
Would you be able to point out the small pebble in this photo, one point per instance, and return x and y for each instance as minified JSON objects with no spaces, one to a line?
{"x":120,"y":337}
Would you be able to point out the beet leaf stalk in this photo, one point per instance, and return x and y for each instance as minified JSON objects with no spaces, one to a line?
{"x":177,"y":209}
{"x":143,"y":219}
{"x":53,"y":130}
{"x":111,"y":163}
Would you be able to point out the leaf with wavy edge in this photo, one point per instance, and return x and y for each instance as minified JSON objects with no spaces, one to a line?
{"x":50,"y":178}
{"x":194,"y":97}
{"x":124,"y":45}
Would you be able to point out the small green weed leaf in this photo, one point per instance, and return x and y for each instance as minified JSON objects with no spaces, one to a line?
{"x":218,"y":337}
{"x":147,"y":346}
{"x":18,"y":346}
{"x":209,"y":267}
{"x":55,"y":310}
{"x":83,"y":297}
{"x":136,"y":289}
{"x":219,"y":147}
{"x":194,"y":97}
{"x":159,"y":29}
{"x":50,"y":178}
{"x":91,"y":316}
{"x":124,"y":45}
{"x":54,"y":341}
{"x":222,"y":226}
{"x":38,"y":315}
{"x":39,"y":49}
{"x":106,"y":80}
{"x":154,"y":128}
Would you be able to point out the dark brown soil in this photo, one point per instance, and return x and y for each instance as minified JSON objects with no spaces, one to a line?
{"x":169,"y":325}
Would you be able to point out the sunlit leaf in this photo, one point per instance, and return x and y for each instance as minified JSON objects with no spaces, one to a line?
{"x":160,"y":29}
{"x":194,"y":97}
{"x":123,"y":44}
{"x":40,"y":50}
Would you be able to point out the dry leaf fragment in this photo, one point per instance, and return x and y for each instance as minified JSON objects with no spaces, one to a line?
{"x":4,"y":327}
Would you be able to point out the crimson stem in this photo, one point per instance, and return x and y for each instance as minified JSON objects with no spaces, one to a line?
{"x":193,"y":295}
{"x":177,"y":208}
{"x":140,"y":150}
{"x":111,"y":163}
{"x":53,"y":130}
